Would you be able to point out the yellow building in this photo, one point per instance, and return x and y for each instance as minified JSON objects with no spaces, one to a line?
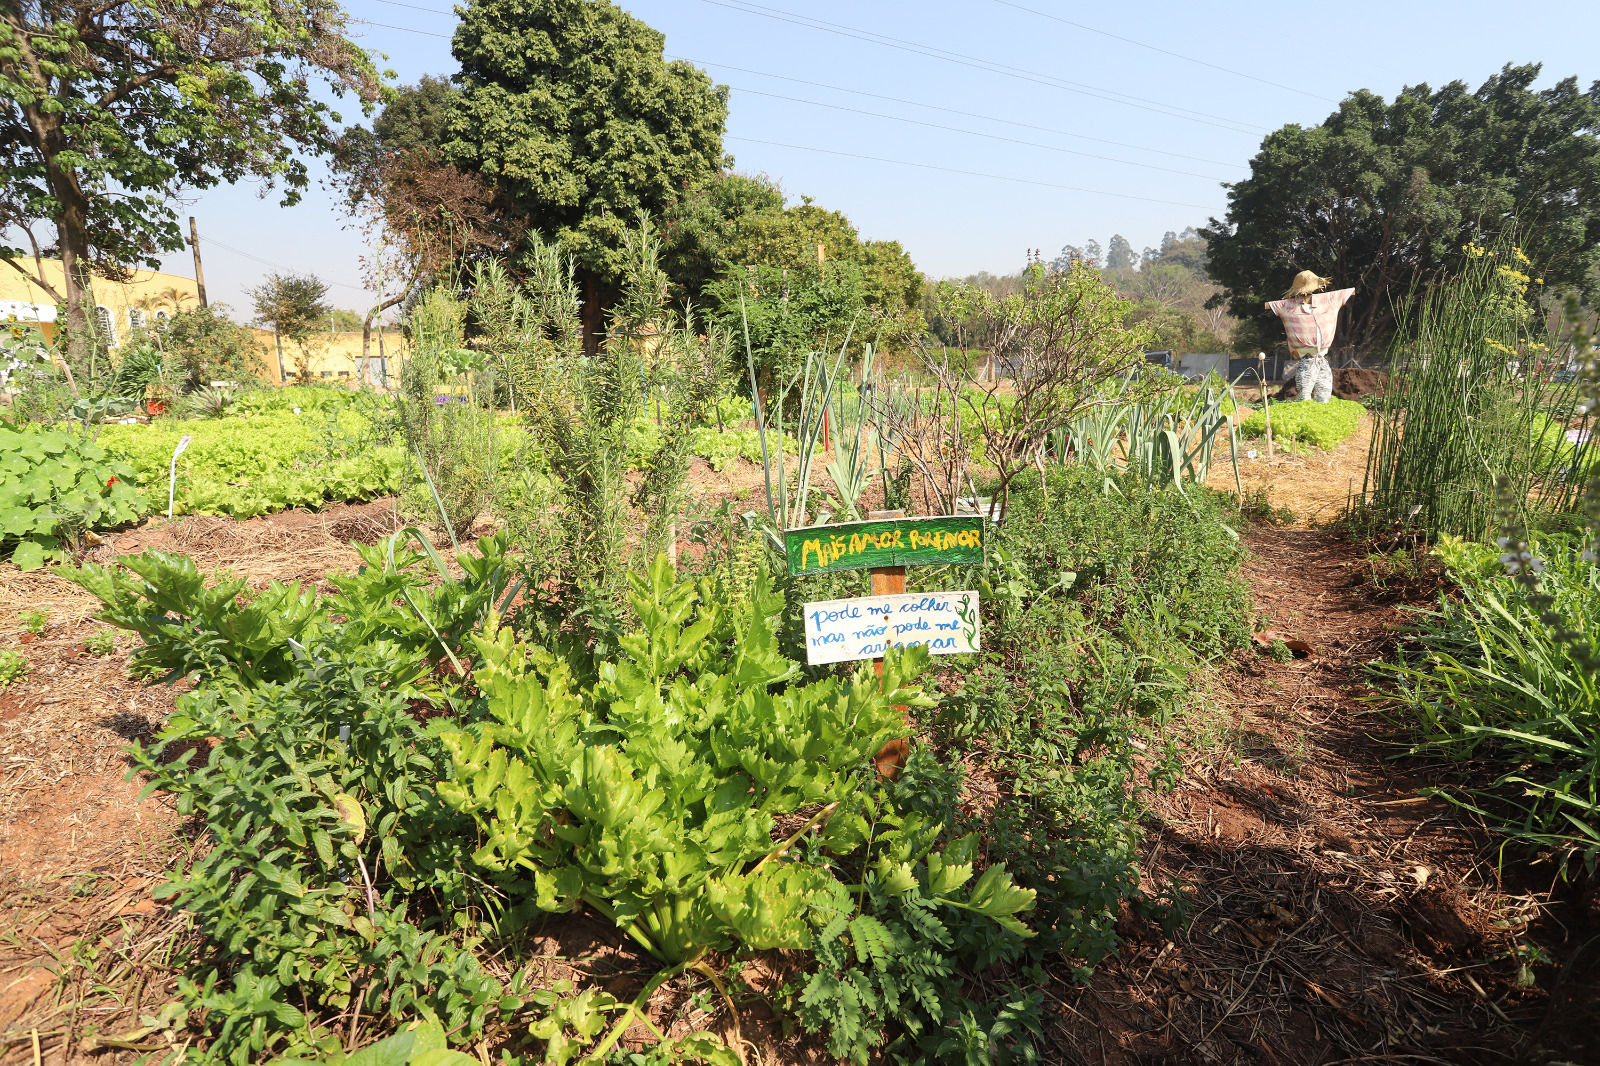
{"x":125,"y":310}
{"x":335,"y":356}
{"x":121,"y":309}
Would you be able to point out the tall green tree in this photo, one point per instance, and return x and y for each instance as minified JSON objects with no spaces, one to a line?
{"x":1384,"y":194}
{"x":570,"y":110}
{"x":1119,"y":253}
{"x":109,"y":108}
{"x":711,"y":222}
{"x":293,"y":306}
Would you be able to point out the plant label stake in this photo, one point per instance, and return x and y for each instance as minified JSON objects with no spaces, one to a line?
{"x":946,"y":623}
{"x":172,"y":473}
{"x":888,"y":581}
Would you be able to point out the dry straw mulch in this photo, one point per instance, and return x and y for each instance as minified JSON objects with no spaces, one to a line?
{"x":1312,"y":483}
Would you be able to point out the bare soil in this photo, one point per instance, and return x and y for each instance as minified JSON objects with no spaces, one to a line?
{"x":1334,"y":915}
{"x":1349,"y":383}
{"x":1314,"y":484}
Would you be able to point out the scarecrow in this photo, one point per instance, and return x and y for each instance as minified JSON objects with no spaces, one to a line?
{"x":1310,"y":316}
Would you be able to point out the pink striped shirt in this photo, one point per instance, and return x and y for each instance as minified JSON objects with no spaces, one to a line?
{"x":1310,"y":321}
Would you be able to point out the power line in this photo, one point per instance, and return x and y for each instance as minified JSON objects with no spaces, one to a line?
{"x":969,"y":173}
{"x":407,"y":29}
{"x":877,"y":96}
{"x":881,"y":159}
{"x":1153,"y":48}
{"x":976,"y":133}
{"x":954,"y":111}
{"x":1019,"y":73}
{"x":270,"y":263}
{"x":414,"y":7}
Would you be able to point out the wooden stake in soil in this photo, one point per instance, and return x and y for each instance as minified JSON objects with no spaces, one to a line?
{"x":889,"y":581}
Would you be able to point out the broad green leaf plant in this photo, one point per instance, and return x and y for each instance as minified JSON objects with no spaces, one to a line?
{"x":53,"y":485}
{"x":648,"y":787}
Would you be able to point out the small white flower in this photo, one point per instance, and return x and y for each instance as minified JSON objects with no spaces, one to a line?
{"x":1502,"y":542}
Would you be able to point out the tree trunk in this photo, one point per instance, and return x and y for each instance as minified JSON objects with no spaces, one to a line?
{"x":366,"y":335}
{"x":72,"y":227}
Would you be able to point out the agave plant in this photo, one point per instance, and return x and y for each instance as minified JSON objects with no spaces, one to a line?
{"x":209,"y":402}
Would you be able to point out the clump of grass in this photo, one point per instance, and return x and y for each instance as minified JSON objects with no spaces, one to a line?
{"x":100,"y":643}
{"x":1462,"y":415}
{"x":1257,"y":507}
{"x":1492,"y":682}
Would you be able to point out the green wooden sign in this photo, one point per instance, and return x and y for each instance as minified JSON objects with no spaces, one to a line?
{"x":887,"y":542}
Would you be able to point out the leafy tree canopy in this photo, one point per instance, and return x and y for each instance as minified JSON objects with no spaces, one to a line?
{"x":570,"y":110}
{"x":1119,"y":253}
{"x":702,"y":230}
{"x":799,"y":275}
{"x":738,"y":221}
{"x":417,"y":116}
{"x":1383,"y":196}
{"x":293,"y":306}
{"x":109,"y":108}
{"x":1186,"y":250}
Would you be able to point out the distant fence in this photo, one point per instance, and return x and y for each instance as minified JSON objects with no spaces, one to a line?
{"x":1277,"y":367}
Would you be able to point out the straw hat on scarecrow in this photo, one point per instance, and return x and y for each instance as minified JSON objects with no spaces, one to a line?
{"x":1305,"y":283}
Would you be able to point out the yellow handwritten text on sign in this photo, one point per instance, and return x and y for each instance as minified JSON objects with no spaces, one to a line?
{"x":892,"y":542}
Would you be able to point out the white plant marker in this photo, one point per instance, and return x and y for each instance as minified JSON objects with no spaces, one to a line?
{"x":172,"y":473}
{"x":837,"y":631}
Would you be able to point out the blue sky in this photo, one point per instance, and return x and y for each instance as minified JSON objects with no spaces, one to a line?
{"x":1173,"y":98}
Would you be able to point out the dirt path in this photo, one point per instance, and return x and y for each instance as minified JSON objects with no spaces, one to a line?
{"x":1335,"y":915}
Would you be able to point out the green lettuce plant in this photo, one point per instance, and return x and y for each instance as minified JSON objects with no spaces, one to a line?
{"x":1326,"y":425}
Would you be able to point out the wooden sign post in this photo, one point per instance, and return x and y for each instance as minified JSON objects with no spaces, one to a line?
{"x":890,"y":581}
{"x":884,"y":545}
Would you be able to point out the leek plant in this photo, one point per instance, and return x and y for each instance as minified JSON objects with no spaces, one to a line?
{"x":816,"y":382}
{"x":1166,"y":439}
{"x":856,"y":440}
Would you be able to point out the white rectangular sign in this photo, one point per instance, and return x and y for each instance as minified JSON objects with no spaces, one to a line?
{"x":861,"y":628}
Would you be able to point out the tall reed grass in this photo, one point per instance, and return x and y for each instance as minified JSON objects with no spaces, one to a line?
{"x":1464,"y":406}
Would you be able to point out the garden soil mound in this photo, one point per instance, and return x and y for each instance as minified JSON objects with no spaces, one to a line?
{"x":288,"y":546}
{"x":1348,"y":384}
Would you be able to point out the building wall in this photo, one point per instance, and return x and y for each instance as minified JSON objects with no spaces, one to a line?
{"x":126,"y":308}
{"x":123,"y":307}
{"x":335,"y":356}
